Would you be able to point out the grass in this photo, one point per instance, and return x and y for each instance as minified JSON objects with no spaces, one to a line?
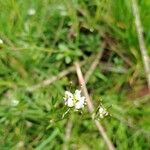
{"x":39,"y":47}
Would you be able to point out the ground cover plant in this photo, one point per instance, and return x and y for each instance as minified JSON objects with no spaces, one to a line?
{"x":40,"y":43}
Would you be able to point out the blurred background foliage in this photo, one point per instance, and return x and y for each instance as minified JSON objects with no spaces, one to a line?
{"x":39,"y":45}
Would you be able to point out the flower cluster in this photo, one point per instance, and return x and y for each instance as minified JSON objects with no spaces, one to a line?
{"x":74,"y":100}
{"x":102,"y":112}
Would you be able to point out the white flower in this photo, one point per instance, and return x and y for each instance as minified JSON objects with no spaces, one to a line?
{"x":102,"y":112}
{"x":74,"y":100}
{"x":31,"y":12}
{"x":68,"y":99}
{"x":79,"y":100}
{"x":80,"y":104}
{"x":70,"y":102}
{"x":15,"y":102}
{"x":1,"y":41}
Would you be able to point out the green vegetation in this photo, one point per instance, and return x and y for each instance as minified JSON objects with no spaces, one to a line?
{"x":39,"y":45}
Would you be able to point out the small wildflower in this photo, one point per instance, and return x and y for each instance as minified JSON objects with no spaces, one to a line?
{"x":15,"y":102}
{"x":31,"y":12}
{"x":1,"y":41}
{"x":68,"y":99}
{"x":102,"y":112}
{"x":74,"y":100}
{"x":79,"y":100}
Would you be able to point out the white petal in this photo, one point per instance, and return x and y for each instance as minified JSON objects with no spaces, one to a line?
{"x":68,"y":94}
{"x":70,"y":102}
{"x":82,"y":100}
{"x":79,"y":105}
{"x":77,"y":94}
